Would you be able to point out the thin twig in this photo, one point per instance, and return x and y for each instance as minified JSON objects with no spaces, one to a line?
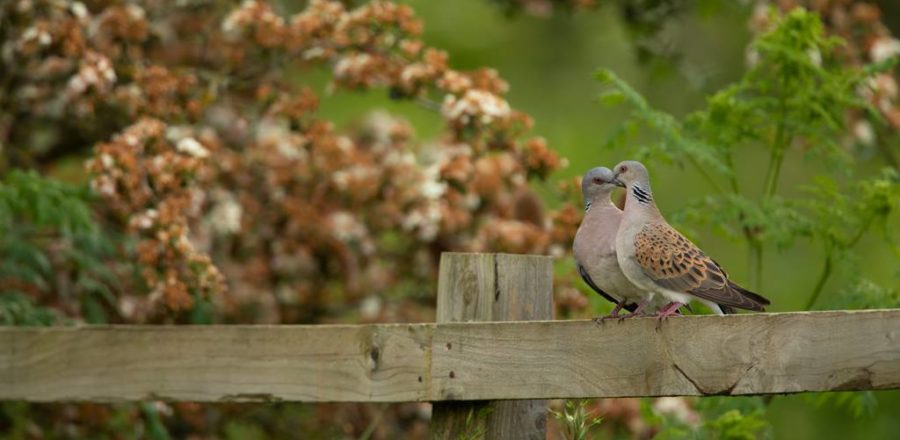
{"x":374,"y":423}
{"x":428,"y":104}
{"x":829,"y":260}
{"x":704,"y":174}
{"x":757,"y":252}
{"x":782,"y":141}
{"x":823,"y":277}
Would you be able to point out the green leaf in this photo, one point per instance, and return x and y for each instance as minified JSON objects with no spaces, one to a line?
{"x":203,"y":311}
{"x":156,"y":429}
{"x":18,"y":309}
{"x":611,"y":97}
{"x":43,"y":217}
{"x":734,"y":425}
{"x":92,"y":311}
{"x":858,"y":403}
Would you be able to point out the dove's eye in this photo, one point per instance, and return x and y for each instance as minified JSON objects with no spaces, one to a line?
{"x":598,"y":180}
{"x":623,"y":169}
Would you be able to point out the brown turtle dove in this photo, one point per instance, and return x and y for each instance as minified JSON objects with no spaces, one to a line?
{"x":657,"y":258}
{"x":595,"y":244}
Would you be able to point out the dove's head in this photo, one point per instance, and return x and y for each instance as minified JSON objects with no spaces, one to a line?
{"x":631,"y":172}
{"x":597,"y":183}
{"x":633,"y":175}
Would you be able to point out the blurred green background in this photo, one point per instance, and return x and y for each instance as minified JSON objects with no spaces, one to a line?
{"x":549,"y":64}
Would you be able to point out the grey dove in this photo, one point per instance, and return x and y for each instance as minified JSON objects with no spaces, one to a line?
{"x":595,"y":244}
{"x":658,"y":259}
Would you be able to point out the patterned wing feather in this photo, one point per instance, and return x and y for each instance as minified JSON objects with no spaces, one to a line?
{"x":674,"y":263}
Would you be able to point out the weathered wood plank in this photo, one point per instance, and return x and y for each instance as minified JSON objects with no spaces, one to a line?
{"x":231,"y":363}
{"x":699,"y":355}
{"x":695,"y":355}
{"x":491,"y":287}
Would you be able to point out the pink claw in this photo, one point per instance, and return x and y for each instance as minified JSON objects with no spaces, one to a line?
{"x":669,"y":310}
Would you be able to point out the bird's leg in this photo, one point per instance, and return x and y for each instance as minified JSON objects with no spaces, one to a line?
{"x":669,"y":310}
{"x":639,"y":311}
{"x":612,"y":315}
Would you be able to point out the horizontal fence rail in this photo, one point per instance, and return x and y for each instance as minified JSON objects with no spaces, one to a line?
{"x":692,"y":355}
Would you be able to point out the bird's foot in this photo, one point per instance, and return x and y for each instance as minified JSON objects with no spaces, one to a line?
{"x":612,"y":315}
{"x":601,"y":319}
{"x":634,"y":314}
{"x":638,"y":312}
{"x":667,"y":311}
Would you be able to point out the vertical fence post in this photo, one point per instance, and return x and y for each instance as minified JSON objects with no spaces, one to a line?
{"x":493,"y":287}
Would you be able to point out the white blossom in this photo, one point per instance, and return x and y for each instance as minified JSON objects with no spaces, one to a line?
{"x":225,"y":216}
{"x":676,"y":407}
{"x":144,"y":220}
{"x":433,"y":190}
{"x":815,"y":56}
{"x":425,"y":221}
{"x":96,"y":71}
{"x":313,"y":52}
{"x":289,"y":144}
{"x":191,"y":147}
{"x":884,"y":49}
{"x":103,"y":186}
{"x":79,"y":10}
{"x":864,"y":133}
{"x":370,"y":307}
{"x":472,"y":201}
{"x":346,"y":227}
{"x":34,"y":34}
{"x":480,"y":104}
{"x":175,"y":133}
{"x":352,"y":65}
{"x":136,"y":11}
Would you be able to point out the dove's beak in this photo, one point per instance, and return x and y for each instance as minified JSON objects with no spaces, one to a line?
{"x":615,"y":181}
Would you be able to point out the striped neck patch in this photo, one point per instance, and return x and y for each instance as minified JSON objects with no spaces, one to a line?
{"x":642,"y":196}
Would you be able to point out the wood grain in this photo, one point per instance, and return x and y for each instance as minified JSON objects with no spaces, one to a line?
{"x":212,"y":363}
{"x":694,"y":355}
{"x":698,"y":355}
{"x":490,"y":287}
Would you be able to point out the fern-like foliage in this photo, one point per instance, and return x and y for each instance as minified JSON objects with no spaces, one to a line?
{"x":52,"y":253}
{"x":795,"y":95}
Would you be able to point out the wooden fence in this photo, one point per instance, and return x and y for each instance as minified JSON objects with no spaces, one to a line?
{"x":473,"y":357}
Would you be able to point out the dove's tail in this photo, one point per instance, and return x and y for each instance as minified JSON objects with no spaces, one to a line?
{"x":727,"y":310}
{"x":752,"y":296}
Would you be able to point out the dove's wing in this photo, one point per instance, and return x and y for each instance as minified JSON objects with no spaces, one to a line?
{"x":587,"y":279}
{"x":673,"y":262}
